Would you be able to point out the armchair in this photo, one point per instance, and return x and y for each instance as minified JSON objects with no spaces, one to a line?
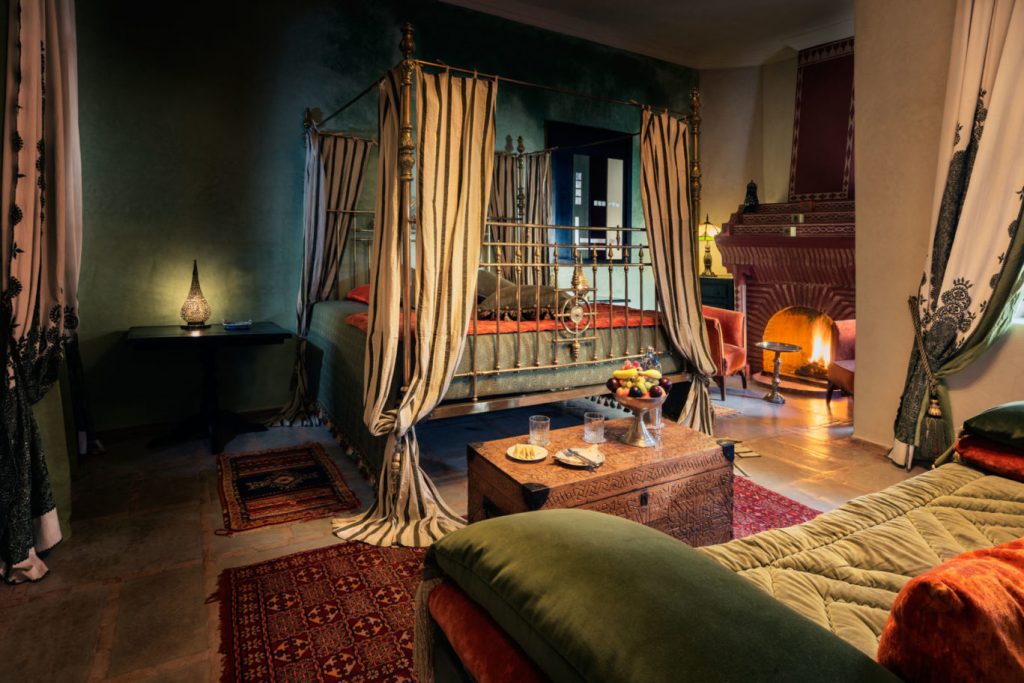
{"x":727,"y":336}
{"x":841,"y":369}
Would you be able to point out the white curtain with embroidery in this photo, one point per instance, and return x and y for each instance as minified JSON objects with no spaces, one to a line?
{"x":972,"y":276}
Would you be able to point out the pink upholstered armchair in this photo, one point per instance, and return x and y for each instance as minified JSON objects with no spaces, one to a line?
{"x":841,"y":368}
{"x":727,"y":335}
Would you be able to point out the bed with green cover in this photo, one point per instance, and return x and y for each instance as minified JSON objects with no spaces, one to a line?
{"x":589,"y":597}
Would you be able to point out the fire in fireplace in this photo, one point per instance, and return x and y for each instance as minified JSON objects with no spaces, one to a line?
{"x":809,"y":329}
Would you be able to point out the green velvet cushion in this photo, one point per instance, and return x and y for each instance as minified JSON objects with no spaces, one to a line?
{"x":487,"y":282}
{"x":551,"y":301}
{"x":591,"y":597}
{"x":1003,"y":424}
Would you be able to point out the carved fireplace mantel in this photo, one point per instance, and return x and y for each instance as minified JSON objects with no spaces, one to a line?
{"x":793,"y":254}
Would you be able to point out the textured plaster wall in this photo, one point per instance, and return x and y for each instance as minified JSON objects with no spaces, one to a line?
{"x":192,"y":148}
{"x":731,"y":142}
{"x":747,"y":135}
{"x":778,"y":87}
{"x":900,"y":66}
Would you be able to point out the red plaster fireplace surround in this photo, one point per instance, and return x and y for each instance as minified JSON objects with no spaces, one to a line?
{"x":797,"y":254}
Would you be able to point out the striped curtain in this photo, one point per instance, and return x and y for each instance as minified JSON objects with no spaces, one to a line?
{"x":664,"y":191}
{"x":974,"y":271}
{"x":335,"y":168}
{"x":455,"y":130}
{"x":536,"y":184}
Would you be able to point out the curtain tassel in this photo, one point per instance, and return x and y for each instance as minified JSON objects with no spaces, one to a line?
{"x":934,"y":437}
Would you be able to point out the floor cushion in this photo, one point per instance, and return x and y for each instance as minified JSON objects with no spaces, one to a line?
{"x":1006,"y":461}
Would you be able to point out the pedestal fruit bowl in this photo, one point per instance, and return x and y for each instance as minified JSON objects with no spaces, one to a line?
{"x":639,"y":390}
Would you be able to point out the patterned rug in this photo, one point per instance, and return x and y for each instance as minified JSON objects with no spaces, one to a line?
{"x":724,"y":411}
{"x":261,"y":488}
{"x":345,"y":612}
{"x":756,"y":509}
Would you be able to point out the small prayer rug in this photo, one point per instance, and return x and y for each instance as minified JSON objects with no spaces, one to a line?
{"x":261,"y":488}
{"x":340,"y":613}
{"x":724,"y":411}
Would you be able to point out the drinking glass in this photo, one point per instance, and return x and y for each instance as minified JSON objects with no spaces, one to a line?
{"x":653,"y":418}
{"x":593,"y":427}
{"x":540,"y":426}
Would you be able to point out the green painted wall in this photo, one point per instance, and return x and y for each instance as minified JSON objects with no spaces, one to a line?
{"x":192,"y":148}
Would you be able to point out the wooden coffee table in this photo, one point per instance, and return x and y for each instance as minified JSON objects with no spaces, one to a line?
{"x":682,"y":487}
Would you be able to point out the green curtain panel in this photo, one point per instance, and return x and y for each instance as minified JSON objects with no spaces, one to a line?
{"x":335,"y":168}
{"x":972,"y":277}
{"x":41,"y":214}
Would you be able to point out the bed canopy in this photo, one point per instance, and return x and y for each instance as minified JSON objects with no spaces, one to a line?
{"x":440,"y":227}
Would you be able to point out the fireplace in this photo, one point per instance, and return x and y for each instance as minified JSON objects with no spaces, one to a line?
{"x":795,"y":257}
{"x":809,"y":329}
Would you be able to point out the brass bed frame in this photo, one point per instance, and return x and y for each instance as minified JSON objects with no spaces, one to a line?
{"x":577,"y":317}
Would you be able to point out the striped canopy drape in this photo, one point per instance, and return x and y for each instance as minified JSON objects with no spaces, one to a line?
{"x":454,"y":118}
{"x":335,"y":169}
{"x":664,"y":192}
{"x":536,"y":187}
{"x":973,"y":273}
{"x":40,"y":258}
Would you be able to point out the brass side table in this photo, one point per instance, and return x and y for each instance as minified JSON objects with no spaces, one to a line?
{"x":779,"y":348}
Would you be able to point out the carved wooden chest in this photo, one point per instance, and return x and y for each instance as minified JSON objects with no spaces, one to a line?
{"x":682,"y":487}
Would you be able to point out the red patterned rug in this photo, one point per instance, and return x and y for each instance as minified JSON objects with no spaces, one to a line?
{"x":260,"y":488}
{"x":756,"y":509}
{"x":345,"y":612}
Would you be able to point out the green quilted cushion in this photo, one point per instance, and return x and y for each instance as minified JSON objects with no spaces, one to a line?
{"x":1003,"y":424}
{"x":590,"y":597}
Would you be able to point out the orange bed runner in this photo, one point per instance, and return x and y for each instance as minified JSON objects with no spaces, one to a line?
{"x":606,"y":316}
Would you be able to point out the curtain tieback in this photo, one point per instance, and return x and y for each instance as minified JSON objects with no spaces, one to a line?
{"x":934,"y":409}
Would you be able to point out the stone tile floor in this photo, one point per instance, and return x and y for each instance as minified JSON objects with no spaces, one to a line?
{"x":125,"y":599}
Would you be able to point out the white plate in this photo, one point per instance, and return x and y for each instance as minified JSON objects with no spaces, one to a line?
{"x":591,"y":452}
{"x":525,"y":452}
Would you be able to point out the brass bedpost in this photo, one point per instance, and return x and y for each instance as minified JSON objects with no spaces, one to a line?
{"x":695,"y":174}
{"x":406,"y":162}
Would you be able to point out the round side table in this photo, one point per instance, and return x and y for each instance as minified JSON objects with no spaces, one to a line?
{"x":778,"y":348}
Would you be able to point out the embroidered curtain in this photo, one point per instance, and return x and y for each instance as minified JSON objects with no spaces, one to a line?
{"x":973,"y":273}
{"x":536,"y":188}
{"x":41,"y":210}
{"x":454,"y":158}
{"x":664,"y":192}
{"x":335,"y":169}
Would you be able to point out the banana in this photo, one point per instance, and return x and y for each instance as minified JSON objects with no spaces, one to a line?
{"x":652,"y":373}
{"x":625,"y":374}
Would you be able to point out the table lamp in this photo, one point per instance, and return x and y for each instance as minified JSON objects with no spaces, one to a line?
{"x":708,"y":233}
{"x":196,"y":309}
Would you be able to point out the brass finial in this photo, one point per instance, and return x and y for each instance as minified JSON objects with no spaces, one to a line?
{"x":408,"y":44}
{"x":508,"y":143}
{"x":520,"y":147}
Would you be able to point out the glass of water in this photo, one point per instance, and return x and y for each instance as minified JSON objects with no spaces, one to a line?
{"x":653,"y":418}
{"x":540,"y":427}
{"x":593,"y":427}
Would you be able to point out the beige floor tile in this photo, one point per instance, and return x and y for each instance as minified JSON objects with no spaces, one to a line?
{"x":160,"y":618}
{"x":54,"y":638}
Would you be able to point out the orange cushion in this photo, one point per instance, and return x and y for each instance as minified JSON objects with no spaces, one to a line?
{"x":360,"y":293}
{"x":487,"y":653}
{"x":735,"y":358}
{"x":991,"y":456}
{"x":961,"y":621}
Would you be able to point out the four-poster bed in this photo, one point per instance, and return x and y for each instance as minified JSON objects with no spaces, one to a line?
{"x":471,"y":309}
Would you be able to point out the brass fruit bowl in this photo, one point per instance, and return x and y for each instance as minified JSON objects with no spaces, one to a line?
{"x":638,"y":434}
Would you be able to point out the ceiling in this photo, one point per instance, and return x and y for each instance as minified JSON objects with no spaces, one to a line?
{"x":703,"y":34}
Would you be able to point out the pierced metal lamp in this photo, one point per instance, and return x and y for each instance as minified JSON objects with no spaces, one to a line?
{"x":707,"y":235}
{"x":196,"y":309}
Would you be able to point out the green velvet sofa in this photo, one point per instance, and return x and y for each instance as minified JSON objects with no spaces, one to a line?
{"x":589,"y":597}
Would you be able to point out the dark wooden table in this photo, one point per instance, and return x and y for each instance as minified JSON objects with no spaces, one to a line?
{"x":220,"y":426}
{"x":683,"y":486}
